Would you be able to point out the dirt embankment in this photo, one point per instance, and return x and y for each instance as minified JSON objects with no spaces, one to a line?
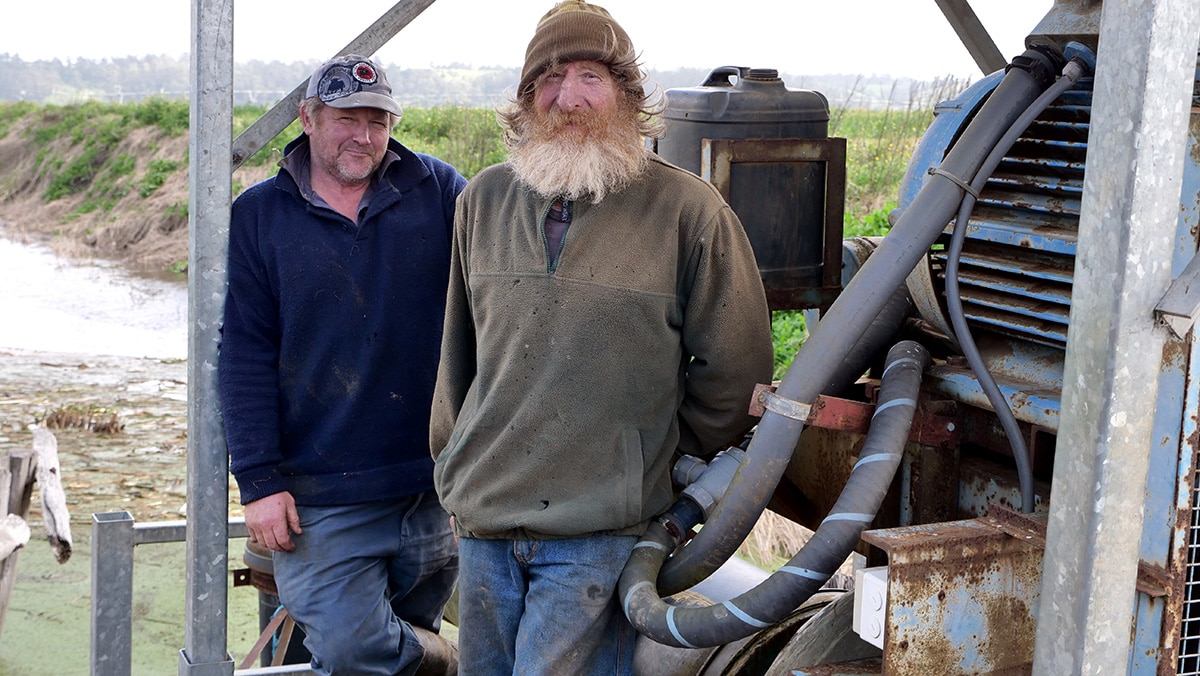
{"x":112,"y":214}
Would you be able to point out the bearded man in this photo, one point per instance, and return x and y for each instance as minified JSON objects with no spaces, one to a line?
{"x":604,"y":313}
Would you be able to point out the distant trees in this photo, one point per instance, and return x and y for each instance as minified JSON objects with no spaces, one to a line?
{"x":132,"y":79}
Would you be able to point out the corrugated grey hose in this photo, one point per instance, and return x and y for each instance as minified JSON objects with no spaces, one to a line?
{"x":813,"y":565}
{"x":852,"y":313}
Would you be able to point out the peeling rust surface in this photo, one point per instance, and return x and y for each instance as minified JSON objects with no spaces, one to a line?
{"x":819,"y":469}
{"x":962,"y":598}
{"x":1176,"y":580}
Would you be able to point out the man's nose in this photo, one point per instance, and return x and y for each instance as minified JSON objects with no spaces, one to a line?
{"x":570,"y":94}
{"x":362,"y":133}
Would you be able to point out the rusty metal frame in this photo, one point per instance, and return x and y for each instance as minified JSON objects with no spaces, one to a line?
{"x":717,"y":157}
{"x":962,"y":595}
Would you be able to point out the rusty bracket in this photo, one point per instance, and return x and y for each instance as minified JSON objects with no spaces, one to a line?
{"x":1152,"y":580}
{"x":930,"y":427}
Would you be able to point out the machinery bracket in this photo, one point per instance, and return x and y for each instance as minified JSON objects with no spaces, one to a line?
{"x":1180,"y":305}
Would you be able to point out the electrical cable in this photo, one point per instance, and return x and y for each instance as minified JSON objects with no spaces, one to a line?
{"x":1070,"y":74}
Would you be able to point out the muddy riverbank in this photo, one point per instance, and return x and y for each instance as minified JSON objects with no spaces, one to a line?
{"x":125,"y":441}
{"x":138,"y":465}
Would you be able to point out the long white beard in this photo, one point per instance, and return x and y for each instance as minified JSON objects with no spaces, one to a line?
{"x":553,"y":164}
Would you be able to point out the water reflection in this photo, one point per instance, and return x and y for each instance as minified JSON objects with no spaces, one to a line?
{"x":93,"y":307}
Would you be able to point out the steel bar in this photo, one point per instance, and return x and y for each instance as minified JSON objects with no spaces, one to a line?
{"x":211,"y":189}
{"x":281,"y":114}
{"x":1129,"y":209}
{"x":112,"y":594}
{"x":973,"y":35}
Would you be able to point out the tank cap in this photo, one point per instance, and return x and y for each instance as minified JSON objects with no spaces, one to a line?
{"x":762,"y":74}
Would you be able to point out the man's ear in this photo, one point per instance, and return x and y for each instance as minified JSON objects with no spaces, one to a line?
{"x":306,"y":121}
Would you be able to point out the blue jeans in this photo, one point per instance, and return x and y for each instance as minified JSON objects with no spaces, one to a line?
{"x":361,"y":574}
{"x":543,"y":607}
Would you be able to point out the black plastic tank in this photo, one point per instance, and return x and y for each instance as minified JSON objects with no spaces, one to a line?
{"x":781,"y":203}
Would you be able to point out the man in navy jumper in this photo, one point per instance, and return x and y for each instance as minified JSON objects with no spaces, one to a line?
{"x":337,"y":283}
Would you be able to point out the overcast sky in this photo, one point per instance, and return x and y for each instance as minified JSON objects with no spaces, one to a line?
{"x":812,"y":37}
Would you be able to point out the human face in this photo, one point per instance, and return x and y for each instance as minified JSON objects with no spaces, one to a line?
{"x":347,"y":144}
{"x":576,"y":86}
{"x":582,"y":138}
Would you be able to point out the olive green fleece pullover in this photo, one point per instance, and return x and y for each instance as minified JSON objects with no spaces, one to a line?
{"x":566,"y":385}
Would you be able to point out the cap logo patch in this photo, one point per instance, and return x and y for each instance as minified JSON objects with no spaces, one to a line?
{"x":342,"y":81}
{"x":364,"y":73}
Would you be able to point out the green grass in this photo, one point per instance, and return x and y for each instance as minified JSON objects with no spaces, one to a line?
{"x":468,"y":138}
{"x":879,"y":144}
{"x":788,"y":333}
{"x":156,"y":174}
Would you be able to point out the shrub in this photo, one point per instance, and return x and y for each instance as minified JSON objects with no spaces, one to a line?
{"x":788,"y":332}
{"x":172,"y":116}
{"x":156,"y":174}
{"x":468,"y":138}
{"x":11,"y":112}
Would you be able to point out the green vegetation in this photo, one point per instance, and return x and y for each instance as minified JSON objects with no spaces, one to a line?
{"x":468,"y":138}
{"x":11,"y":112}
{"x":104,"y":175}
{"x":788,"y":333}
{"x":173,"y":116}
{"x":272,"y":152}
{"x":156,"y":174}
{"x":879,"y":144}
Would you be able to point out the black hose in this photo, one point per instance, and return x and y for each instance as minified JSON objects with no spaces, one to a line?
{"x":1070,"y":74}
{"x":816,"y":562}
{"x":857,"y":307}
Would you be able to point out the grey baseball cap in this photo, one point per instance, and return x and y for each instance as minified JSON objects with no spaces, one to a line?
{"x":352,"y":81}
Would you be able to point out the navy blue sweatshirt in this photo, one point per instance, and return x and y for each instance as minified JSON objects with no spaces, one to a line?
{"x":332,"y":330}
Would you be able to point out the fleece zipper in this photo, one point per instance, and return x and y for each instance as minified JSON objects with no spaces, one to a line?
{"x":552,"y":258}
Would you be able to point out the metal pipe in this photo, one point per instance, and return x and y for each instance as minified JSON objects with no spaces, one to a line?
{"x":1129,"y":214}
{"x":112,"y":594}
{"x":211,"y":190}
{"x":816,"y":562}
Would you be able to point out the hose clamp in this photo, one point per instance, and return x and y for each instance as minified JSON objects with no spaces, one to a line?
{"x":784,"y":407}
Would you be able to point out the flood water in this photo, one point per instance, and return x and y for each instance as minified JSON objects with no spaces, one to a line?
{"x":52,"y":304}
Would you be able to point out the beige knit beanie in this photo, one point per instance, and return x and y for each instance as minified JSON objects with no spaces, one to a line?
{"x":574,"y":30}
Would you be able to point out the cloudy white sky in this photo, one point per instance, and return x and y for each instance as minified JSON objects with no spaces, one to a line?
{"x":868,"y":37}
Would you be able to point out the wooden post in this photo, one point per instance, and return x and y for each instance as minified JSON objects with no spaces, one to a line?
{"x":22,"y":466}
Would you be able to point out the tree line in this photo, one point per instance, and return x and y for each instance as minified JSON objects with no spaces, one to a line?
{"x":135,"y":78}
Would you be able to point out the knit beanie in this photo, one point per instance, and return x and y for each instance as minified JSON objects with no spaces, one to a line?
{"x":574,"y":30}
